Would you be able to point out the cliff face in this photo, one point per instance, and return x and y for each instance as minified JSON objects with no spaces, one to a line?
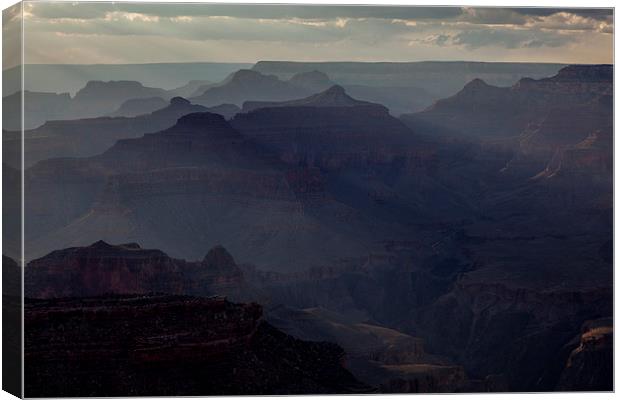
{"x":587,"y":160}
{"x":397,"y":99}
{"x":246,"y":85}
{"x":566,"y":125}
{"x":329,"y":130}
{"x":536,"y":119}
{"x":201,"y":139}
{"x":376,"y":355}
{"x":591,"y":158}
{"x":505,"y":338}
{"x":480,"y":110}
{"x":335,"y":96}
{"x":170,"y":345}
{"x":590,"y":365}
{"x":579,"y":81}
{"x":106,"y":269}
{"x":202,"y":182}
{"x":385,"y":358}
{"x":518,"y":333}
{"x":99,"y":98}
{"x":91,"y":136}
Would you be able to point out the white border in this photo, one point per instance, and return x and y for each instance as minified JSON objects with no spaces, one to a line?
{"x":489,"y":3}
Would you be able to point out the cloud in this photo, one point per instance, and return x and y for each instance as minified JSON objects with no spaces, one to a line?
{"x":510,"y":39}
{"x":492,"y":15}
{"x":280,"y":31}
{"x":565,"y":21}
{"x":549,"y":18}
{"x":604,"y":14}
{"x":473,"y":39}
{"x":286,"y":30}
{"x":193,"y":28}
{"x":435,"y":40}
{"x":385,"y":19}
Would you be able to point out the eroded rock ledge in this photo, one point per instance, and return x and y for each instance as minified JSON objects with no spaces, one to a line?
{"x":160,"y":345}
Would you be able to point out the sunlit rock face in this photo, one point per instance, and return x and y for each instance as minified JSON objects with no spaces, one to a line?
{"x":102,"y":268}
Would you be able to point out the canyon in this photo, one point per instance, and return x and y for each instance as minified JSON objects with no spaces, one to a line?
{"x":464,"y":247}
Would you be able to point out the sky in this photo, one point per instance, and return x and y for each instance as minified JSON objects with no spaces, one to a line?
{"x":88,"y":33}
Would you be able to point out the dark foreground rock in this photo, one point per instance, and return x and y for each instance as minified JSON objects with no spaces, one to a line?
{"x":170,"y":345}
{"x":590,"y":364}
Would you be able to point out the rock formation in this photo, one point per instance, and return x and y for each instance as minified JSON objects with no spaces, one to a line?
{"x":590,"y":365}
{"x":481,"y":110}
{"x":102,"y":268}
{"x":439,"y":78}
{"x":170,"y":345}
{"x":328,"y":130}
{"x":245,"y":85}
{"x":88,"y":137}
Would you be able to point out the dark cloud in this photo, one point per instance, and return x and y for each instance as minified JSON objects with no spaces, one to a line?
{"x":521,"y":16}
{"x":596,"y":13}
{"x":266,"y":11}
{"x":490,"y":15}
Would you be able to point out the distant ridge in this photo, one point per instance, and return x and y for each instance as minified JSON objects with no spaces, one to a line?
{"x":248,"y":84}
{"x":58,"y":78}
{"x":90,"y":136}
{"x":135,"y":107}
{"x":480,"y":109}
{"x":335,"y":96}
{"x":441,"y":78}
{"x":301,"y":66}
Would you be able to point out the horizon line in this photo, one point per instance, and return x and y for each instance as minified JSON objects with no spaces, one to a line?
{"x":307,"y":62}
